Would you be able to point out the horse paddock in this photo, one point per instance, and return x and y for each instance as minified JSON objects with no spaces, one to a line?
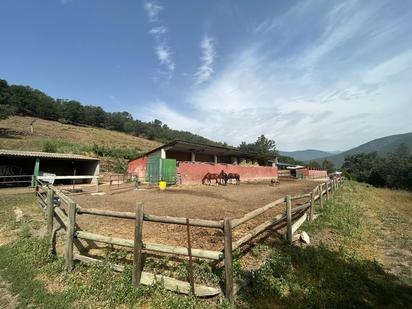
{"x":196,"y":201}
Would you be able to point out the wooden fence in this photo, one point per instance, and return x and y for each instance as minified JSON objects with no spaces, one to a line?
{"x":51,"y":199}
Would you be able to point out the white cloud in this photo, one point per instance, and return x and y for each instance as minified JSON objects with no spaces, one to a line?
{"x":205,"y":71}
{"x":391,"y":67}
{"x":335,"y":92}
{"x":174,"y":119}
{"x":159,"y":31}
{"x":153,"y":9}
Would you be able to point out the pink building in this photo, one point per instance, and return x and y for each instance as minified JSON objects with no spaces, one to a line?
{"x":189,"y":162}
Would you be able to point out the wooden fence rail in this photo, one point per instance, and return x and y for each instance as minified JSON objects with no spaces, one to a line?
{"x":291,"y":218}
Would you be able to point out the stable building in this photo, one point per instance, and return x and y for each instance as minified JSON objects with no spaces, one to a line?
{"x":25,"y":166}
{"x":187,"y":163}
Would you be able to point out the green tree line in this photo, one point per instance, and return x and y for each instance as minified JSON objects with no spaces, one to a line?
{"x":24,"y":100}
{"x":392,"y":171}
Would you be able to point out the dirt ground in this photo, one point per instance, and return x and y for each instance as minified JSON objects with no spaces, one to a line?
{"x":197,"y":201}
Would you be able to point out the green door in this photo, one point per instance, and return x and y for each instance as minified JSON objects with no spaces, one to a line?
{"x":168,"y":170}
{"x":153,"y":169}
{"x":160,"y":169}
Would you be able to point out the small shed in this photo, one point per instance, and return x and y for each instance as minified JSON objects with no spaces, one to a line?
{"x":15,"y":163}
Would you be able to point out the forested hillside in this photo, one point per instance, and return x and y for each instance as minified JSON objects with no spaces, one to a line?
{"x":26,"y":101}
{"x":382,"y":146}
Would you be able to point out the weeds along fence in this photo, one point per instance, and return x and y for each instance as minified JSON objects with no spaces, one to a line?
{"x":51,"y":200}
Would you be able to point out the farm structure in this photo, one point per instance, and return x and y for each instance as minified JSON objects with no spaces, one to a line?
{"x":186,"y":163}
{"x":24,"y":167}
{"x":300,"y":172}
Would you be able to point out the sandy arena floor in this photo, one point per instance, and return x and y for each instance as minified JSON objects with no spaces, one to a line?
{"x":197,"y":201}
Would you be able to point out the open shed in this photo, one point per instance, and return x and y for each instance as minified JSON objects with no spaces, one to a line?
{"x":33,"y":164}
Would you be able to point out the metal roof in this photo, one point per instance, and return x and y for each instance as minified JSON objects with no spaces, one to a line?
{"x":184,"y":146}
{"x":43,"y":155}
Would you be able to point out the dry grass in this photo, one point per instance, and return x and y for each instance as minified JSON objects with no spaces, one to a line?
{"x":15,"y":134}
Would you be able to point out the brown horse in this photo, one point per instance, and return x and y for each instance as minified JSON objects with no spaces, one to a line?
{"x":223,"y":178}
{"x":211,"y":176}
{"x":235,"y":176}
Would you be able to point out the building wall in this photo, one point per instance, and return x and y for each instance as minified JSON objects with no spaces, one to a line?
{"x":138,"y":166}
{"x":193,"y":172}
{"x":312,"y":174}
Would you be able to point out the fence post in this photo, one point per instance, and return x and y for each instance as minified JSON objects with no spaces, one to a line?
{"x":312,"y":204}
{"x":289,"y":218}
{"x":70,"y":236}
{"x":189,"y":251}
{"x":50,"y":211}
{"x":228,"y":260}
{"x":138,"y":245}
{"x":327,"y":190}
{"x":321,"y":194}
{"x":97,"y":184}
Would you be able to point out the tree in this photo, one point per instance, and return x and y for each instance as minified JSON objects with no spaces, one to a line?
{"x":314,"y":164}
{"x":262,"y":146}
{"x":398,"y":168}
{"x":328,"y":166}
{"x":6,"y":111}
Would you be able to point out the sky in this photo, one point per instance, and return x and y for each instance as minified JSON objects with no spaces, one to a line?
{"x":316,"y":74}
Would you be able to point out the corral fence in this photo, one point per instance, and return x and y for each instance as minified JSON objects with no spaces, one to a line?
{"x":120,"y":182}
{"x":59,"y":206}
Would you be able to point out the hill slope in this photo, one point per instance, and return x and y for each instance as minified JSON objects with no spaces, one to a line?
{"x":15,"y":134}
{"x":306,"y":155}
{"x":381,"y":145}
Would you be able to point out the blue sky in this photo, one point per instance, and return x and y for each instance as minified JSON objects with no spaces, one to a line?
{"x":310,"y":74}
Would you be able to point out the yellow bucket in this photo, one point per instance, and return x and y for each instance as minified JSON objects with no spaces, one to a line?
{"x":162,"y":185}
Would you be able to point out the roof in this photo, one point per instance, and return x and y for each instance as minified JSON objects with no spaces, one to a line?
{"x":43,"y":155}
{"x":179,"y":145}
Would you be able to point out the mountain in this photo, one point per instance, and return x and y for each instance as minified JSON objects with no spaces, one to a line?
{"x":381,"y":145}
{"x":306,"y":155}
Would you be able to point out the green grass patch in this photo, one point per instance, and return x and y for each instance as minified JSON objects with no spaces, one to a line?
{"x":334,"y":272}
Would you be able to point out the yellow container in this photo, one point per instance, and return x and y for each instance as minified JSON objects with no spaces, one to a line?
{"x":162,"y":185}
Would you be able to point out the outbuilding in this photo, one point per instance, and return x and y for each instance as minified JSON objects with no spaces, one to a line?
{"x":186,"y":163}
{"x":25,"y":166}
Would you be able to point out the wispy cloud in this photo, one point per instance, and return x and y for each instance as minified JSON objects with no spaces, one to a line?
{"x":158,"y":31}
{"x":333,"y":83}
{"x":153,"y":9}
{"x":205,"y":71}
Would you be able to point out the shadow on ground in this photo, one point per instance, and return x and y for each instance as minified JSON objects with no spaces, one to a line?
{"x":316,"y":277}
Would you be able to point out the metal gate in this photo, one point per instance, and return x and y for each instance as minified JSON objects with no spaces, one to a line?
{"x":160,"y":169}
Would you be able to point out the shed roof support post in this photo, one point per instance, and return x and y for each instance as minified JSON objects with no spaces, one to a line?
{"x":215,"y":159}
{"x":35,"y":171}
{"x":162,"y":153}
{"x":193,"y":156}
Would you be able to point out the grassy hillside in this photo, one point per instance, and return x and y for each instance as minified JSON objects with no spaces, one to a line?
{"x":381,"y":145}
{"x":305,"y":155}
{"x":359,"y":257}
{"x":15,"y":134}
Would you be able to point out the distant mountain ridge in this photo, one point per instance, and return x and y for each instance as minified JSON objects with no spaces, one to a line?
{"x":381,"y":145}
{"x":306,"y":155}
